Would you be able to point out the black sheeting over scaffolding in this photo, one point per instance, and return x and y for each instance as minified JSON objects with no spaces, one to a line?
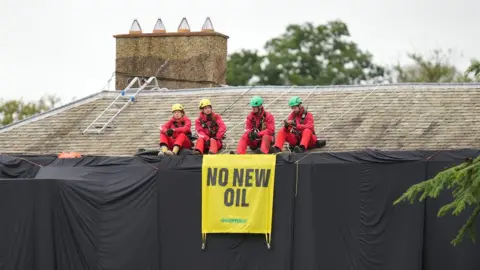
{"x":11,"y":167}
{"x":145,"y":213}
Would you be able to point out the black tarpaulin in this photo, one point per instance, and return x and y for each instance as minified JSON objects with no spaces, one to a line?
{"x":17,"y":215}
{"x":86,"y":161}
{"x":331,"y":211}
{"x":41,"y":160}
{"x":13,"y":167}
{"x":85,"y":218}
{"x":96,"y":161}
{"x":344,"y":213}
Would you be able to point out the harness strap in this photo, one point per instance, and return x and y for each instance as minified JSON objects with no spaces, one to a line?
{"x":188,"y":133}
{"x":302,"y":120}
{"x":261,"y":124}
{"x":175,"y":124}
{"x":213,"y":128}
{"x":304,"y":115}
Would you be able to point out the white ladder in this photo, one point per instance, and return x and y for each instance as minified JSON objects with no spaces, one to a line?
{"x":120,"y":103}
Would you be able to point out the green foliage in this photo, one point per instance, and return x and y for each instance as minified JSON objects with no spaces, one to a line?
{"x":434,"y":69}
{"x":15,"y":110}
{"x":464,"y":179}
{"x":475,"y":69}
{"x":323,"y":54}
{"x":306,"y":55}
{"x":241,"y":66}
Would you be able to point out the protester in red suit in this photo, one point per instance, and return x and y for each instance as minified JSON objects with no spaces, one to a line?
{"x":260,"y":127}
{"x":175,"y":133}
{"x":210,"y":129}
{"x":298,"y":130}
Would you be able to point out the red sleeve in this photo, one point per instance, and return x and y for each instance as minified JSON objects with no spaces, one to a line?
{"x":221,"y":127}
{"x":270,"y":125}
{"x":166,"y":126}
{"x":291,"y":116}
{"x":307,"y":123}
{"x":198,"y":127}
{"x":186,"y":128}
{"x":248,"y":124}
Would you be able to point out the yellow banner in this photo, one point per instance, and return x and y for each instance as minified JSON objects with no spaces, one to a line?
{"x":237,"y":194}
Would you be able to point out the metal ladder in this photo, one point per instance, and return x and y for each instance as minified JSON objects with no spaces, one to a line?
{"x":120,"y":103}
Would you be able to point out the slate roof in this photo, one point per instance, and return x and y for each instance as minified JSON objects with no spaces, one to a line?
{"x":387,"y":117}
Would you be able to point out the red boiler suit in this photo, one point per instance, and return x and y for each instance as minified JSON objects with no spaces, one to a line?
{"x":210,"y":129}
{"x":306,"y":132}
{"x":181,"y":133}
{"x":264,"y":122}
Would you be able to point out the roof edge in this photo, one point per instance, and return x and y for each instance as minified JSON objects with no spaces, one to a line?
{"x":23,"y":154}
{"x":51,"y":112}
{"x":369,"y":87}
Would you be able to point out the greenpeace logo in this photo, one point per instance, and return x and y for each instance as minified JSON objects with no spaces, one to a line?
{"x":233,"y":220}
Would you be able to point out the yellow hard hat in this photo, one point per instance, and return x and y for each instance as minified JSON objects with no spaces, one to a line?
{"x":177,"y":107}
{"x":204,"y":102}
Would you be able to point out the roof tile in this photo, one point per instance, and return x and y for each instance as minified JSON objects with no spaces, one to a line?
{"x":350,"y":118}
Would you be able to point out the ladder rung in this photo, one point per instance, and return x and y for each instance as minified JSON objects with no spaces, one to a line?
{"x":103,"y":120}
{"x":91,"y":131}
{"x":101,"y":124}
{"x":107,"y":114}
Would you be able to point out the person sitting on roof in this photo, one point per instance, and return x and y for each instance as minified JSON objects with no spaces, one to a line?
{"x":175,"y":133}
{"x":260,"y":127}
{"x":210,"y":130}
{"x":298,"y":130}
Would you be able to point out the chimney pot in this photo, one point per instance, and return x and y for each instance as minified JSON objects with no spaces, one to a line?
{"x":208,"y":26}
{"x":184,"y":26}
{"x":135,"y":29}
{"x":159,"y":27}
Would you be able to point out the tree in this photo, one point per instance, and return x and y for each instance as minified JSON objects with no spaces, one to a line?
{"x":14,"y":110}
{"x":475,"y":69}
{"x":434,"y":69}
{"x":306,"y":55}
{"x":464,"y":179}
{"x":241,"y":65}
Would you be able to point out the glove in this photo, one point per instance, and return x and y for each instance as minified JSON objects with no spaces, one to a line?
{"x":252,"y":135}
{"x":169,"y":132}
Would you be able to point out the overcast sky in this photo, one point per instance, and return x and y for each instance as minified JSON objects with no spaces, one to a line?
{"x":66,"y":47}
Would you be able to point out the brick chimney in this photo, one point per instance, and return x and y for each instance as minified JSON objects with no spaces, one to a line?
{"x":181,"y":59}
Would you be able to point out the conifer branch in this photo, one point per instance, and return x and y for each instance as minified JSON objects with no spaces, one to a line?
{"x":464,"y":181}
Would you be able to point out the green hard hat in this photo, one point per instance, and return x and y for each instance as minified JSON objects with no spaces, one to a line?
{"x":294,"y":101}
{"x":256,"y":101}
